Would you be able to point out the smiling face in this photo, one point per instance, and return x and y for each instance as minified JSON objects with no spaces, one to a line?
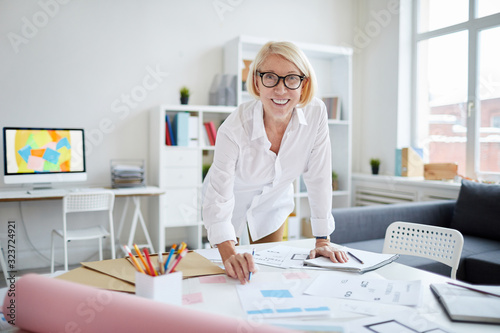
{"x":278,"y":101}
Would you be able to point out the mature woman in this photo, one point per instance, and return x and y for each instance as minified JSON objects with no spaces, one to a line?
{"x":261,"y":148}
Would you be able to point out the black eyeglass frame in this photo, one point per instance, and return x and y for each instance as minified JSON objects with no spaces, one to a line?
{"x":302,"y":77}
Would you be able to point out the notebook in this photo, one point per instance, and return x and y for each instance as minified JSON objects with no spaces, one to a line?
{"x":464,"y":304}
{"x":371,"y":261}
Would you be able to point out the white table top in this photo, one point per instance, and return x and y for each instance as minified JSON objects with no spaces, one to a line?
{"x":223,"y":298}
{"x":58,"y":193}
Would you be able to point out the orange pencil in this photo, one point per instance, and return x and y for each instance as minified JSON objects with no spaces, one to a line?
{"x":148,"y":258}
{"x":134,"y":261}
{"x":142,"y":259}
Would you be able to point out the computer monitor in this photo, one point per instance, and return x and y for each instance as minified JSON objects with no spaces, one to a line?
{"x":41,"y":156}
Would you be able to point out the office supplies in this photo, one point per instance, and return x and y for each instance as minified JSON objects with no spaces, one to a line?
{"x":170,"y":255}
{"x":148,"y":260}
{"x":488,"y":290}
{"x":142,"y":258}
{"x":463,"y":304}
{"x":250,"y":274}
{"x":132,"y":257}
{"x":166,"y":288}
{"x":371,"y":261}
{"x":160,"y":263}
{"x":177,"y":260}
{"x":352,"y":255}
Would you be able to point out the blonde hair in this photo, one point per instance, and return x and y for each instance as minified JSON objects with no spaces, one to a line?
{"x":292,"y":53}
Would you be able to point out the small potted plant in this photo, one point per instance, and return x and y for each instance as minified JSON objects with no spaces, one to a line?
{"x":375,"y":164}
{"x":184,"y":95}
{"x":335,"y":181}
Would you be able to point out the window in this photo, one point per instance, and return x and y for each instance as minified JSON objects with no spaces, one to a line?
{"x":457,"y":83}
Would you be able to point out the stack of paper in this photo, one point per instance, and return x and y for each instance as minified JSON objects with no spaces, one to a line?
{"x":370,"y":261}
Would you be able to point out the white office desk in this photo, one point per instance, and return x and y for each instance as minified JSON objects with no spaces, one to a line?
{"x":223,"y":298}
{"x":133,"y":193}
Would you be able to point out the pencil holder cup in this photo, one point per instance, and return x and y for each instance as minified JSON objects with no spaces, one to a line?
{"x":165,"y":288}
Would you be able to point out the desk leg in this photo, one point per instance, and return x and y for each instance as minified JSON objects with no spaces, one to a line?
{"x":138,"y":216}
{"x":122,"y":220}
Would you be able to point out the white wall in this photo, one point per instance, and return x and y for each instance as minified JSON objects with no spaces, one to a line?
{"x":376,"y":80}
{"x":83,"y":60}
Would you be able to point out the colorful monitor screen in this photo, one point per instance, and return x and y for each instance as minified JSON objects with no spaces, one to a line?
{"x":43,"y":155}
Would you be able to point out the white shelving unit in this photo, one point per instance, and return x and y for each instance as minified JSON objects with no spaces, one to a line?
{"x":178,"y":171}
{"x":333,"y":67}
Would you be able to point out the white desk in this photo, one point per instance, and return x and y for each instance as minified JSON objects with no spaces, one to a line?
{"x":133,"y":194}
{"x":223,"y":298}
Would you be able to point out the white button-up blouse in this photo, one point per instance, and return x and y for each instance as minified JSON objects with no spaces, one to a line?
{"x":248,"y":183}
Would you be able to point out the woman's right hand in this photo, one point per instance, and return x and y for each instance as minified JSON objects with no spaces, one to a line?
{"x":237,"y":265}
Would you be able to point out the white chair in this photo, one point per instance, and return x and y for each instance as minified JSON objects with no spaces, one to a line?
{"x":79,"y":202}
{"x":441,"y":244}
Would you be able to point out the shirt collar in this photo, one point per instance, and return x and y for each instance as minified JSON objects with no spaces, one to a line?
{"x":258,"y":120}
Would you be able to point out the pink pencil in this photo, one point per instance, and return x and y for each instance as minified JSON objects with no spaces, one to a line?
{"x":181,"y":255}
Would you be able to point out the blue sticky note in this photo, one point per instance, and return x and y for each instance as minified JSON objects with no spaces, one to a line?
{"x":25,"y":153}
{"x":279,"y":293}
{"x":63,"y":143}
{"x":260,"y":311}
{"x":51,"y":156}
{"x":289,"y":310}
{"x":321,"y":308}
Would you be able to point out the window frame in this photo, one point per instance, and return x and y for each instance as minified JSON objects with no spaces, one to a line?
{"x":473,"y":26}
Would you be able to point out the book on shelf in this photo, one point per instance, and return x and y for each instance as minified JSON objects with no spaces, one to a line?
{"x":168,"y":131}
{"x":168,"y":139}
{"x":469,"y":303}
{"x":181,"y":128}
{"x":212,"y":133}
{"x":333,"y":107}
{"x":370,"y":261}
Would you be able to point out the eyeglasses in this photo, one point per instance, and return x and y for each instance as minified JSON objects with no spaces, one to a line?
{"x":291,"y":81}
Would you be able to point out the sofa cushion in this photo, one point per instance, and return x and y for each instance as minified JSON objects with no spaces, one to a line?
{"x":477,"y":211}
{"x":483,"y":268}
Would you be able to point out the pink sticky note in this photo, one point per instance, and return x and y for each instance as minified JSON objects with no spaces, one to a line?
{"x":213,"y":279}
{"x":35,"y":163}
{"x":192,"y":298}
{"x":296,"y":275}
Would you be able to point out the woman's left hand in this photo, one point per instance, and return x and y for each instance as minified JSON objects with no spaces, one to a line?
{"x":325,"y":249}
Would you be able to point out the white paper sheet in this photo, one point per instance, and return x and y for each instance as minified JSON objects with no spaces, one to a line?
{"x":361,"y":288}
{"x":267,"y":297}
{"x":282,"y":256}
{"x":408,"y":321}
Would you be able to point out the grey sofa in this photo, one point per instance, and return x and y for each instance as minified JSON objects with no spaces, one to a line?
{"x":476,"y":213}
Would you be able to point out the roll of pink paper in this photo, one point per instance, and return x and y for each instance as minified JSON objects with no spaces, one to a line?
{"x":42,"y":304}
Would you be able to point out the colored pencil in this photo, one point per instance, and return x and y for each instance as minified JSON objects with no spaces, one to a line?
{"x":142,"y":258}
{"x":132,"y":257}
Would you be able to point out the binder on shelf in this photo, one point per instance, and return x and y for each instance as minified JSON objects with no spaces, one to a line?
{"x":397,"y":169}
{"x":193,"y":131}
{"x":412,"y":164}
{"x":170,"y":133}
{"x":181,"y":128}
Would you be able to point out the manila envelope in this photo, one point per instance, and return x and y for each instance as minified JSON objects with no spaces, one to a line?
{"x":96,"y":279}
